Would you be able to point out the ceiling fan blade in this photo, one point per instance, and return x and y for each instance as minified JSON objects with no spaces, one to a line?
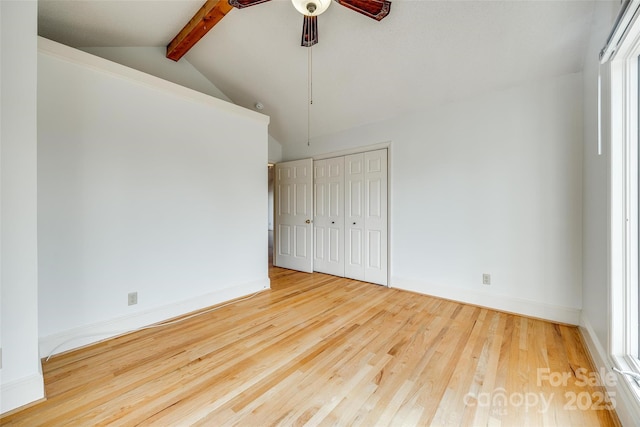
{"x":376,"y":9}
{"x":245,"y":3}
{"x":309,"y":31}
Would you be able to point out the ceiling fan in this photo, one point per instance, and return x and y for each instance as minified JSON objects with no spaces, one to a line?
{"x":375,"y":9}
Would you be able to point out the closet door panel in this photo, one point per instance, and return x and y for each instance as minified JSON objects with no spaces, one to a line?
{"x":320,"y":212}
{"x":375,"y":217}
{"x":329,"y":216}
{"x":354,"y":217}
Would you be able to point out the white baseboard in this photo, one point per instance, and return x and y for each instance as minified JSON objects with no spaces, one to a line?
{"x":555,"y":313}
{"x":627,"y":408}
{"x":89,"y":334}
{"x":21,"y":392}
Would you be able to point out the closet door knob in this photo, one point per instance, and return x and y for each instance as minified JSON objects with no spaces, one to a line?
{"x":308,"y":221}
{"x":333,"y":222}
{"x":354,"y":223}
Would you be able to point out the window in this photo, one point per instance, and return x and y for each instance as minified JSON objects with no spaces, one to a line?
{"x":624,"y":346}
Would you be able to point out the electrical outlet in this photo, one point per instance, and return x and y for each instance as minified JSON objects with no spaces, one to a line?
{"x":133,"y":298}
{"x":486,"y":279}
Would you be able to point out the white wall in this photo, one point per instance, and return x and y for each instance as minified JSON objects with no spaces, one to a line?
{"x":20,"y":377}
{"x":487,"y":185}
{"x":595,"y":206}
{"x":153,"y":60}
{"x":275,"y":150}
{"x":144,"y":186}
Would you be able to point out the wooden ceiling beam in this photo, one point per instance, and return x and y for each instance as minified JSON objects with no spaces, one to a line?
{"x":206,"y":18}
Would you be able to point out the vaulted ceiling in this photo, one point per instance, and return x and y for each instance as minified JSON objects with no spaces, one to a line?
{"x":424,"y":54}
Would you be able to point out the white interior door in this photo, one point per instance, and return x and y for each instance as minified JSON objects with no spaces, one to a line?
{"x":328,"y":218}
{"x":354,"y":216}
{"x":293,"y":216}
{"x":375,"y":216}
{"x":366,"y":216}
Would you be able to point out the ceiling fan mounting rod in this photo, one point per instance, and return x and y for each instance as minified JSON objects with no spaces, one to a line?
{"x":309,"y":94}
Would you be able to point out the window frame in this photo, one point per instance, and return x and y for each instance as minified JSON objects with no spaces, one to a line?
{"x":624,"y":296}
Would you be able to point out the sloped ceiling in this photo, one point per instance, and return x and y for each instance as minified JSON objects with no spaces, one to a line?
{"x":424,"y":54}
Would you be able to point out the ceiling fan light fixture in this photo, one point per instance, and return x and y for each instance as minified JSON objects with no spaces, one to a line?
{"x":311,"y":7}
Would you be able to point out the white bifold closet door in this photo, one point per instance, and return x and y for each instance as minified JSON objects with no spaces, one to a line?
{"x":328,"y":191}
{"x":366,"y":216}
{"x":331,"y":216}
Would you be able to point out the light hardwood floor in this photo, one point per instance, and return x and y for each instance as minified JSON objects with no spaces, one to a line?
{"x":322,"y":350}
